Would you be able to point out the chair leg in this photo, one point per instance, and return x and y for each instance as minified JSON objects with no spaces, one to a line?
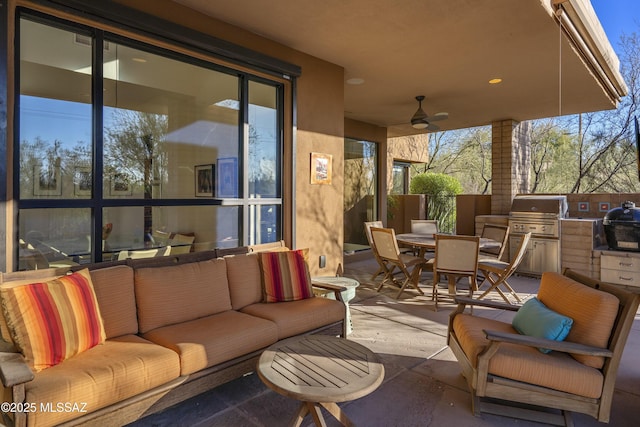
{"x":411,"y":278}
{"x":434,"y":291}
{"x":377,"y":273}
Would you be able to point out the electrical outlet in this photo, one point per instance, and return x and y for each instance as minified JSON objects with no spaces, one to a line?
{"x":323,"y":261}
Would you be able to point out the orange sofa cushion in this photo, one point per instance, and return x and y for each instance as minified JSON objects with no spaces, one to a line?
{"x":101,"y":376}
{"x":214,"y":339}
{"x":116,"y":299}
{"x":162,"y":293}
{"x":245,"y":280}
{"x":296,"y":317}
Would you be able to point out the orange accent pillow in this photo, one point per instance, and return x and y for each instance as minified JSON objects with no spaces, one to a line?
{"x":54,"y":320}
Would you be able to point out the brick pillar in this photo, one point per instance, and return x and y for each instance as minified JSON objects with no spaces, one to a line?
{"x":510,"y":163}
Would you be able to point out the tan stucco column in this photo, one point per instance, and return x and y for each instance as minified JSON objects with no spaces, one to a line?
{"x":510,"y":163}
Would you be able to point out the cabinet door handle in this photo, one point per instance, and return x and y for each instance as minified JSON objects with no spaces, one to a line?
{"x":625,"y":264}
{"x":628,"y":279}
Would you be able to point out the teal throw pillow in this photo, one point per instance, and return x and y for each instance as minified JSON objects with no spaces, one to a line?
{"x":536,"y":320}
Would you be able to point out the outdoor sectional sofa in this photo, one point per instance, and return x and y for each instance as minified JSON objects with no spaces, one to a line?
{"x":174,"y":328}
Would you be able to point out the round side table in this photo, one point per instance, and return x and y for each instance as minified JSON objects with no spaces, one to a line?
{"x":347,"y":295}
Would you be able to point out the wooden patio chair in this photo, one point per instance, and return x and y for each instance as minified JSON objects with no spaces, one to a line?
{"x":496,"y":272}
{"x":424,"y":226}
{"x":499,"y":233}
{"x":456,"y":257}
{"x":506,"y":372}
{"x":409,"y":265}
{"x":383,"y":267}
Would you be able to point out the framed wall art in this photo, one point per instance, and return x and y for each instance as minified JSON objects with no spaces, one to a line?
{"x":321,"y":168}
{"x":227,"y":177}
{"x":205,"y":180}
{"x":120,"y":185}
{"x":82,"y":180}
{"x":47,"y":180}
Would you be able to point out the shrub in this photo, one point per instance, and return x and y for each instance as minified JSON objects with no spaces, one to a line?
{"x":441,"y":190}
{"x":435,"y":184}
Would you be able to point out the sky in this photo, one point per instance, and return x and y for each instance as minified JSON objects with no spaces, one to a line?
{"x":618,"y":17}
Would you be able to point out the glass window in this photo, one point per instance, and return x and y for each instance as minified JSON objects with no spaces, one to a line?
{"x":183,"y":228}
{"x":189,"y":152}
{"x":263,"y":223}
{"x":360,"y":190}
{"x":54,"y":238}
{"x":162,"y":119}
{"x":400,"y":178}
{"x":55,"y":113}
{"x":263,"y":141}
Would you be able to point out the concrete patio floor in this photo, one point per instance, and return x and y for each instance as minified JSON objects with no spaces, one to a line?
{"x":422,"y":386}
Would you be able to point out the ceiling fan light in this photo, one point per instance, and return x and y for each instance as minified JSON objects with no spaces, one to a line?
{"x":419,"y":124}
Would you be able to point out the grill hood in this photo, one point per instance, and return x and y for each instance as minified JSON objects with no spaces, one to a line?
{"x":555,"y":206}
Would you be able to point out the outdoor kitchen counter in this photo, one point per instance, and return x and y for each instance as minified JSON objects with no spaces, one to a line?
{"x":579,"y":237}
{"x":620,"y":268}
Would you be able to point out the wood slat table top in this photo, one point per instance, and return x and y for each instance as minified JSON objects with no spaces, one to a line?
{"x":320,"y":368}
{"x":429,"y":241}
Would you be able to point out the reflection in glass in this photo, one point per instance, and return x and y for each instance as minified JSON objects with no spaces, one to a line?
{"x":184,"y":228}
{"x":263,"y":141}
{"x":263,"y":224}
{"x":360,"y":182}
{"x":163,"y":117}
{"x":400,"y":178}
{"x":55,"y":112}
{"x":54,"y":238}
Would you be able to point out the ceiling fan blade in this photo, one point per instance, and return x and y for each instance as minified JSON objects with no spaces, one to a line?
{"x":438,"y":116}
{"x":433,"y":127}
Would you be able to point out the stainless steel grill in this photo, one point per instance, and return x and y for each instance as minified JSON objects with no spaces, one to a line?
{"x":541,"y":216}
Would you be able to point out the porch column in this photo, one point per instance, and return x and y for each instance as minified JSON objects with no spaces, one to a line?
{"x":510,"y":163}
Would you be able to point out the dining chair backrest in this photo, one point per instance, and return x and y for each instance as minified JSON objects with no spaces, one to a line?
{"x":144,"y":253}
{"x":385,"y":243}
{"x":424,"y":226}
{"x":456,"y":254}
{"x":519,"y":256}
{"x":367,"y":229}
{"x":499,"y":233}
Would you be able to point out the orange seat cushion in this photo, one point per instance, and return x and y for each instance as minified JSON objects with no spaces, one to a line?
{"x":555,"y":370}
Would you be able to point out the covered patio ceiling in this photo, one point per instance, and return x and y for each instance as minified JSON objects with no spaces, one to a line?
{"x":447,"y":50}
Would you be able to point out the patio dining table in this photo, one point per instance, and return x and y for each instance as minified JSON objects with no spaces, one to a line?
{"x":427,"y":242}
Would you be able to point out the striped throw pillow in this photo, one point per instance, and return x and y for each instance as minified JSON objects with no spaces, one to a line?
{"x":54,"y":320}
{"x":285,"y":276}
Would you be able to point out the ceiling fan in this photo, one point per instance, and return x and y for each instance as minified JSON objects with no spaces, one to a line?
{"x":420,"y":120}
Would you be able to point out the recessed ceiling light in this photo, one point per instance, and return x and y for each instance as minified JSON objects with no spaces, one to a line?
{"x":355,"y":81}
{"x":495,"y":81}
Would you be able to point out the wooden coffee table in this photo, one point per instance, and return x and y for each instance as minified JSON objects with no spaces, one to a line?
{"x":320,"y":370}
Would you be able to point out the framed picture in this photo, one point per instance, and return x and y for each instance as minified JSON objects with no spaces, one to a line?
{"x":120,"y":185}
{"x":82,"y":179}
{"x":321,"y":168}
{"x":47,"y":181}
{"x":204,"y":180}
{"x":227,"y":177}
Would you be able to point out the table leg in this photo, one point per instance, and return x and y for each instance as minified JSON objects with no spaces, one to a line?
{"x":335,"y":410}
{"x":304,"y":409}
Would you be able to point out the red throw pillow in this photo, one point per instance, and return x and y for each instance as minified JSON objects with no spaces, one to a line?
{"x":285,"y":276}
